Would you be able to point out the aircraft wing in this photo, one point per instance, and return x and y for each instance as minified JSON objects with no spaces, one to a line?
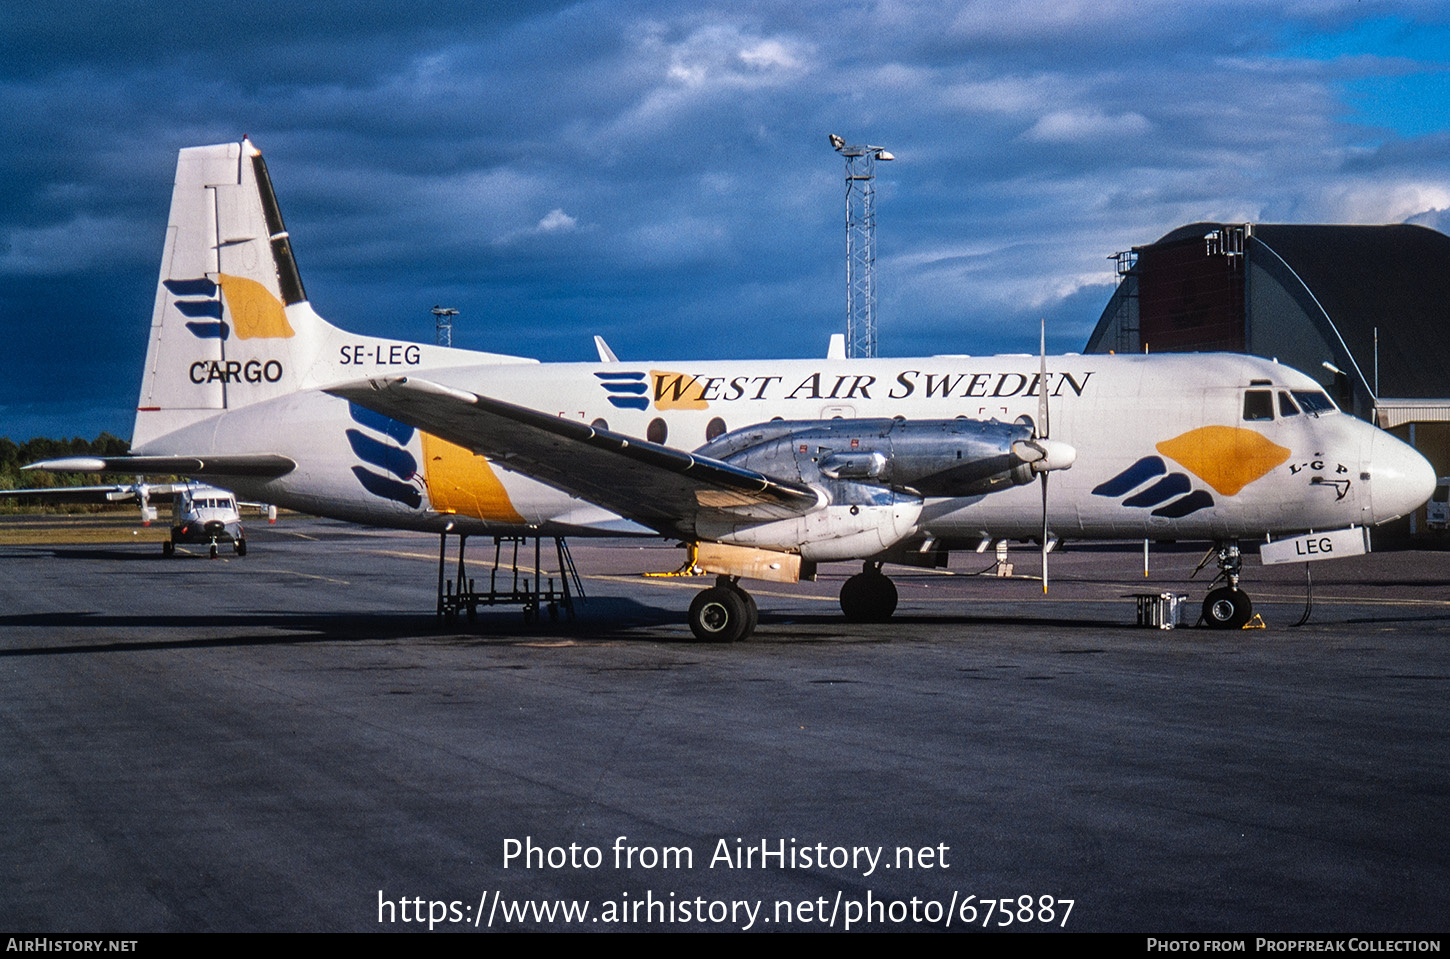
{"x":77,"y":494}
{"x":662,"y":488}
{"x":221,"y":464}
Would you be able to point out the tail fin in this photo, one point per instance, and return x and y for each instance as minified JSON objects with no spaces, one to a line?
{"x":231,"y":325}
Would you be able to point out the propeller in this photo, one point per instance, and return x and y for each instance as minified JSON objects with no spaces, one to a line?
{"x":1041,"y":452}
{"x":143,"y":493}
{"x":1045,"y":454}
{"x":1042,"y":418}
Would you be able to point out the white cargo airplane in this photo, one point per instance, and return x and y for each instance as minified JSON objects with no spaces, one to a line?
{"x":768,"y":466}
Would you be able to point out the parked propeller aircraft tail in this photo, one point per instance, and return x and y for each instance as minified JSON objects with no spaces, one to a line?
{"x":769,"y":466}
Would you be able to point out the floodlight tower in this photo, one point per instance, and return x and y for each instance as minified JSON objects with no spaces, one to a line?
{"x":860,"y":244}
{"x":443,"y":323}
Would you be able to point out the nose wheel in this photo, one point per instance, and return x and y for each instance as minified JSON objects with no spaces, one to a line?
{"x":1228,"y":607}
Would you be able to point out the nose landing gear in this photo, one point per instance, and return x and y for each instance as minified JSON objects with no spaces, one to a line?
{"x":1228,"y":607}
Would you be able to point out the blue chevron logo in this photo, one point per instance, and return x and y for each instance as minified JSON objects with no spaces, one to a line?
{"x":1172,"y":493}
{"x":627,"y":389}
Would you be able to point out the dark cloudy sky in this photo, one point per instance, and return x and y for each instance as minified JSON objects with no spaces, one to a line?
{"x":659,"y":172}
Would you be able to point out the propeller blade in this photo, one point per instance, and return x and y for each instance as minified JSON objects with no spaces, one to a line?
{"x":1044,"y":533}
{"x":1042,"y":425}
{"x":143,"y":493}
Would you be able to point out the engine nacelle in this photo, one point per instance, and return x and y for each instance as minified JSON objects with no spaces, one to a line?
{"x":872,"y":476}
{"x":957,"y":457}
{"x":855,"y":520}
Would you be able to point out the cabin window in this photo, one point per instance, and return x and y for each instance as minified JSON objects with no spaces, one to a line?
{"x":1286,"y":405}
{"x":714,"y":428}
{"x":1258,"y":405}
{"x":656,"y":432}
{"x":600,"y":424}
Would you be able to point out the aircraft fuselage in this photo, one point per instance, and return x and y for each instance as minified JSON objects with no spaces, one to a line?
{"x":1164,"y":448}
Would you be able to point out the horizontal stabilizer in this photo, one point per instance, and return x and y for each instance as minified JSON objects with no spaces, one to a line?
{"x":221,"y":464}
{"x":663,"y":488}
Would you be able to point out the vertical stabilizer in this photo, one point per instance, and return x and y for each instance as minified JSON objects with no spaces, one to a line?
{"x":231,"y":325}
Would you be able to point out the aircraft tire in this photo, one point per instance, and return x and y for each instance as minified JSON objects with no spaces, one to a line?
{"x":752,"y":611}
{"x":213,"y":551}
{"x":241,"y":547}
{"x":1227,"y":608}
{"x":868,"y":598}
{"x":721,"y":614}
{"x":168,"y":548}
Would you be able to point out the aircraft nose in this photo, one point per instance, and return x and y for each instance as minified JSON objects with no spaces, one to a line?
{"x":1401,"y":480}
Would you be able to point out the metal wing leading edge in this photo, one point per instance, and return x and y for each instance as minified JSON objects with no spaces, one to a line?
{"x":663,"y":488}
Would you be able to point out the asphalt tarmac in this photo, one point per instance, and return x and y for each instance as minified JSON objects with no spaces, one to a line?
{"x":291,"y":742}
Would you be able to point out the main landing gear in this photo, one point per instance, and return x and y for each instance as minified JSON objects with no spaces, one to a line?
{"x":869,"y":596}
{"x":1228,"y":607}
{"x":724,"y":613}
{"x":168,"y":547}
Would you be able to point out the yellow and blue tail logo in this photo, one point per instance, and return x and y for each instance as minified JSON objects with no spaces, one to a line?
{"x":254,"y":312}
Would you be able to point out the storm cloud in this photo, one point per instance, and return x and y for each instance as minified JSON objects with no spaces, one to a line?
{"x":659,"y":173}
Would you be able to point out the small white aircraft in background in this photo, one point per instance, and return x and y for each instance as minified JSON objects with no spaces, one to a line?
{"x":200,"y":514}
{"x":205,"y":515}
{"x":768,"y":467}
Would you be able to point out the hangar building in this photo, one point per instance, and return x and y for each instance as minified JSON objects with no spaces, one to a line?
{"x":1363,"y":309}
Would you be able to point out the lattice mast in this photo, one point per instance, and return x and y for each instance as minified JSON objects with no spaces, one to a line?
{"x":443,"y":324}
{"x":861,"y":340}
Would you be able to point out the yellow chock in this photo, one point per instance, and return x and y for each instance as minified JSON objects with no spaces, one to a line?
{"x":688,"y":569}
{"x":1256,"y":623}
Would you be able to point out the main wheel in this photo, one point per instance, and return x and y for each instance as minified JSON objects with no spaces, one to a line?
{"x":1227,"y":608}
{"x":868,"y":597}
{"x":721,"y":614}
{"x":752,"y":612}
{"x":213,"y":549}
{"x":168,"y":548}
{"x":241,"y":547}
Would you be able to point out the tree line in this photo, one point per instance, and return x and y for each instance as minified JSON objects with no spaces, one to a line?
{"x":14,"y":455}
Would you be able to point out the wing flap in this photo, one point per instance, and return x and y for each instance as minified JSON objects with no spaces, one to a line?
{"x":663,"y":488}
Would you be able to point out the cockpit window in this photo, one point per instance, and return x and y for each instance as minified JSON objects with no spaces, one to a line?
{"x":1286,"y":405}
{"x":1258,"y":405}
{"x":1314,"y":402}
